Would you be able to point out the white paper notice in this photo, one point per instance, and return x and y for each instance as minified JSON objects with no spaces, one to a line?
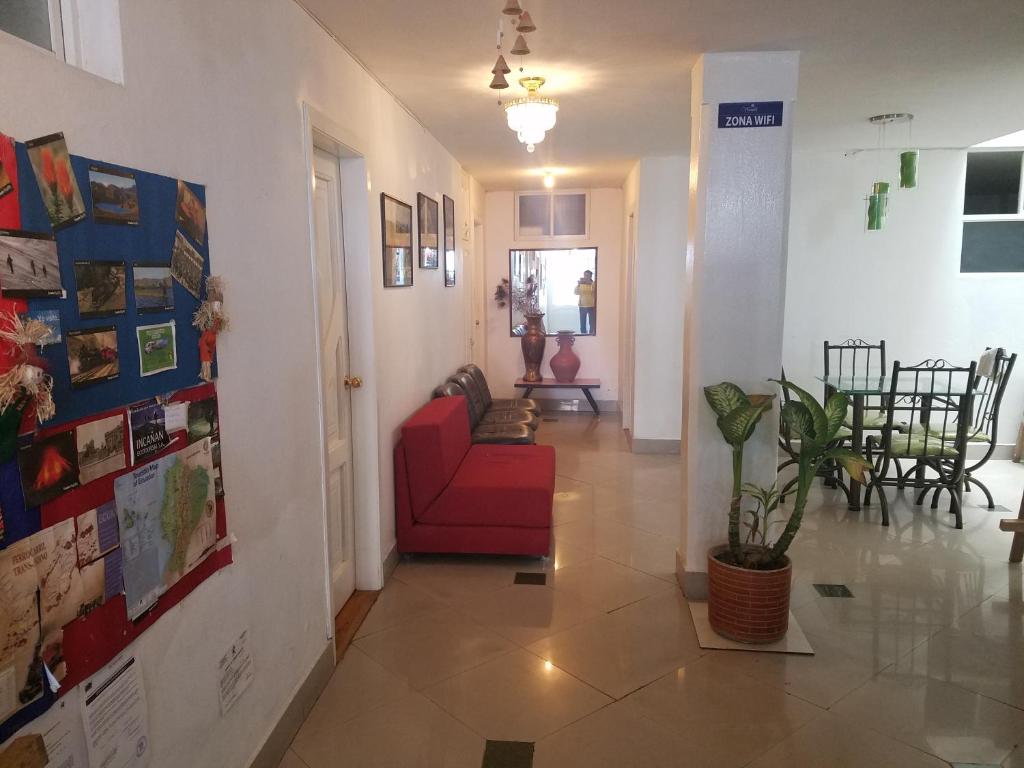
{"x":175,"y":417}
{"x":8,"y":692}
{"x":236,"y":672}
{"x":61,"y":729}
{"x":114,"y":715}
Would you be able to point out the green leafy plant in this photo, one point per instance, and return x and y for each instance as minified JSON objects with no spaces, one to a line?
{"x":760,"y":518}
{"x":738,"y":413}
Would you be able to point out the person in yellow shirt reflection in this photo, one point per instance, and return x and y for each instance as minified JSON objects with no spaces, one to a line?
{"x":586,"y":289}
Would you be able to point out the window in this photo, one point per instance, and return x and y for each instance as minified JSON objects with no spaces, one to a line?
{"x":551,"y":214}
{"x":83,"y":33}
{"x":993,"y":236}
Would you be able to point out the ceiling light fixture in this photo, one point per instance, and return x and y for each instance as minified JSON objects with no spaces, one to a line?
{"x":549,"y":180}
{"x":533,"y":115}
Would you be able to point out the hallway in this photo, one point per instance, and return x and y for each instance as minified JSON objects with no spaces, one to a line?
{"x":923,"y":666}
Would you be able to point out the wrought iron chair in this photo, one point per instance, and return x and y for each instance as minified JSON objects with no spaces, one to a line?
{"x":984,"y":422}
{"x":858,"y":359}
{"x":936,"y":395}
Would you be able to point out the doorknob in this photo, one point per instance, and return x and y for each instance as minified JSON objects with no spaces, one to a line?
{"x":353,"y":382}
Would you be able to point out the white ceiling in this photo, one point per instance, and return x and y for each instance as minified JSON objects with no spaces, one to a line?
{"x":621,"y":70}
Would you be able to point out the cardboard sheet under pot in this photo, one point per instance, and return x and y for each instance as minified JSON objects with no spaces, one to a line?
{"x":746,"y":605}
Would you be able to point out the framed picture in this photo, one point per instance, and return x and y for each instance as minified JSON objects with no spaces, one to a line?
{"x":92,"y":355}
{"x":449,"y":241}
{"x":115,"y":197}
{"x":426,"y":214}
{"x":396,"y":230}
{"x":100,"y":288}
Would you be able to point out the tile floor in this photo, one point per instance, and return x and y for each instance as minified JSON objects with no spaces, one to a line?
{"x":923,"y":666}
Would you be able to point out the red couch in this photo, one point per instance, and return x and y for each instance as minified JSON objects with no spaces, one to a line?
{"x":453,"y":496}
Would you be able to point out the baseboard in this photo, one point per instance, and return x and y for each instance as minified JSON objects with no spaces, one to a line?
{"x":391,"y":562}
{"x":693,"y":583}
{"x":655,"y":445}
{"x":557,"y":404}
{"x":281,"y":735}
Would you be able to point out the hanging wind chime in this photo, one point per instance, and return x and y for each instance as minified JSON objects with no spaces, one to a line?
{"x":878,"y":200}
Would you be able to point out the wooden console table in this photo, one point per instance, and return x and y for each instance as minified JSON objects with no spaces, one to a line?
{"x":584,"y":385}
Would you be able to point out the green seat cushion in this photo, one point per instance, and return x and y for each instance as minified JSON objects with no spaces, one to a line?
{"x":950,"y":433}
{"x":873,"y":419}
{"x":916,"y":446}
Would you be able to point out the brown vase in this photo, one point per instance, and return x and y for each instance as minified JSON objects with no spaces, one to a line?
{"x":533,"y":347}
{"x":746,"y":605}
{"x":565,"y":363}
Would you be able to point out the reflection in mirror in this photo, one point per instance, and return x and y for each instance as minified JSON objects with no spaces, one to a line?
{"x":561,"y":283}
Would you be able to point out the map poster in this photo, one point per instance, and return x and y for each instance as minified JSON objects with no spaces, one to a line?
{"x":149,"y":432}
{"x":167,"y":519}
{"x":21,"y":680}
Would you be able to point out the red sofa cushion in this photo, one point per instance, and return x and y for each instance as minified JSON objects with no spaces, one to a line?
{"x":498,"y":485}
{"x":436,"y":439}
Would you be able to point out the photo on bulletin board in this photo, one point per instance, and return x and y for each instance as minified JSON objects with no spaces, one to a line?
{"x":100,"y":447}
{"x":51,"y":319}
{"x":187,"y":265}
{"x":100,"y":286}
{"x":157,"y":352}
{"x":149,"y":430}
{"x":28,"y":265}
{"x":449,"y":241}
{"x":190,"y":213}
{"x":49,"y":467}
{"x":202,"y":419}
{"x":92,"y":356}
{"x":115,"y":196}
{"x":426,"y":214}
{"x":396,"y":231}
{"x":51,"y":163}
{"x":6,"y":158}
{"x":154,"y":288}
{"x":97,"y":533}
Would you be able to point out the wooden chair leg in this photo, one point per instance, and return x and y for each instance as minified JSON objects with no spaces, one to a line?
{"x":1017,"y":528}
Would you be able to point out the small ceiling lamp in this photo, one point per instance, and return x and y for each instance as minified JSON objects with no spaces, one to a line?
{"x":520,"y":48}
{"x":498,"y":81}
{"x":878,"y":200}
{"x":549,"y":180}
{"x":512,"y":8}
{"x":525,"y":23}
{"x":500,"y":67}
{"x":531,"y":116}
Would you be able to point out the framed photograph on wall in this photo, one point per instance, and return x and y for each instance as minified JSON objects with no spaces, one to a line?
{"x":396,"y":232}
{"x":426,"y":209}
{"x":449,"y":241}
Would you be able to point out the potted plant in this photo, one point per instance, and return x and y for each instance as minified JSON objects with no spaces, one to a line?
{"x":749,"y":581}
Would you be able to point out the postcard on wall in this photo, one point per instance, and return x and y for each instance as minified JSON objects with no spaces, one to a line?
{"x":167,"y":520}
{"x":20,"y":681}
{"x":51,"y":163}
{"x":157,"y":350}
{"x":49,"y":467}
{"x":28,"y":265}
{"x":92,"y":355}
{"x":202,"y":419}
{"x":100,"y":447}
{"x":59,"y":733}
{"x":149,"y":432}
{"x":191,"y":213}
{"x":154,"y":288}
{"x":100,"y":286}
{"x":426,"y":208}
{"x":51,"y":319}
{"x":115,"y":715}
{"x":187,"y":265}
{"x":115,"y":196}
{"x":8,"y":165}
{"x":97,"y":533}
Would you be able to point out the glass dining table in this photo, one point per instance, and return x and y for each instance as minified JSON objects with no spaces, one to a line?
{"x":862,"y":386}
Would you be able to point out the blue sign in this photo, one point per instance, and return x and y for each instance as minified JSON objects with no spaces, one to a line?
{"x":750,"y":114}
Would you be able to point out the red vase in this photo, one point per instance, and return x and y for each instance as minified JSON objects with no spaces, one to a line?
{"x":565,"y":364}
{"x":533,"y":347}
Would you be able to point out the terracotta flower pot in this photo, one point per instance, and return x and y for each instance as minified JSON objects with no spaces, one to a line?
{"x":746,"y":605}
{"x":533,"y":347}
{"x":565,"y":364}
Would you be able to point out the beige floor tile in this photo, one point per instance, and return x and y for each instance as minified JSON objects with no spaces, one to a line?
{"x":622,"y":651}
{"x":525,"y":614}
{"x":358,"y":685}
{"x":725,"y":717}
{"x":606,"y":585}
{"x":830,"y":742}
{"x":564,"y":554}
{"x":396,"y":603}
{"x":574,"y":500}
{"x":455,"y":578}
{"x":613,"y":737}
{"x":291,"y":760}
{"x":412,"y":732}
{"x":1015,"y":759}
{"x":429,"y":649}
{"x":654,"y":555}
{"x":517,"y":697}
{"x":936,"y":717}
{"x":662,"y":518}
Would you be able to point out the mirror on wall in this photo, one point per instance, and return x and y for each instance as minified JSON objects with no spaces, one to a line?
{"x":560,"y":282}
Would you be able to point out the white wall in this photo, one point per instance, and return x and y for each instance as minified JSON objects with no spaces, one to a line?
{"x":902,"y":283}
{"x":213,"y":93}
{"x":598,"y":354}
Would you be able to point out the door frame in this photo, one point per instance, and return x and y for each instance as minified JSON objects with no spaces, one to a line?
{"x":320,"y":132}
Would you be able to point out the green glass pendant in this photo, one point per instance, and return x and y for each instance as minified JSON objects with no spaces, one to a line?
{"x":908,"y":169}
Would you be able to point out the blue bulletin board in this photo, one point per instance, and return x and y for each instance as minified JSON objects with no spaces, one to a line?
{"x":150,"y":242}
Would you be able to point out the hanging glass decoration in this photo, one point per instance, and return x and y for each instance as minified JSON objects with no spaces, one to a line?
{"x":908,"y":169}
{"x":878,"y":204}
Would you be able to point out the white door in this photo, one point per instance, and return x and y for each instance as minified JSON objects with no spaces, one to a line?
{"x":337,"y":381}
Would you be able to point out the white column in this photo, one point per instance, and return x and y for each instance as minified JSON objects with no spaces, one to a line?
{"x":735,"y":278}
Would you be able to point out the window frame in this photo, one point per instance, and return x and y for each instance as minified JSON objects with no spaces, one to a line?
{"x":1019,"y":215}
{"x":552,"y":193}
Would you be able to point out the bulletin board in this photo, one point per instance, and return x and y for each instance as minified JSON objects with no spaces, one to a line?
{"x":93,"y":639}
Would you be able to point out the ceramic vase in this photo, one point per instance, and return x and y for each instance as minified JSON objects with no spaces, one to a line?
{"x":566,"y":363}
{"x":533,"y":347}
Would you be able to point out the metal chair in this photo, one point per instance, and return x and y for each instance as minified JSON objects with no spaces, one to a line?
{"x":857,"y":359}
{"x":937,"y":396}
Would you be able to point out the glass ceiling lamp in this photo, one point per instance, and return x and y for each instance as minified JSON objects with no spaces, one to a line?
{"x":533,"y":115}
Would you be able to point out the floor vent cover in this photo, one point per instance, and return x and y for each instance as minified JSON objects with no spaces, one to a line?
{"x":539,"y":579}
{"x":833,"y":590}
